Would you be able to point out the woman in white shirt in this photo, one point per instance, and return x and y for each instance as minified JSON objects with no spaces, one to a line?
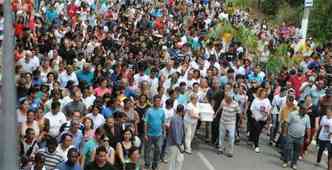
{"x":325,"y":135}
{"x":260,"y":108}
{"x":190,"y":122}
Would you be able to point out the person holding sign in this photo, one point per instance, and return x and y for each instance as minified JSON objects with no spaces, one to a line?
{"x":230,"y":109}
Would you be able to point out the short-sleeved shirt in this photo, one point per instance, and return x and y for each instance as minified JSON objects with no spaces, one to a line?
{"x":229,"y":111}
{"x":51,"y":159}
{"x":297,"y":125}
{"x":155,"y":119}
{"x":326,"y":131}
{"x":88,"y":148}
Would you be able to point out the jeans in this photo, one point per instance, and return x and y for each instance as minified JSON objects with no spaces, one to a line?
{"x":215,"y":129}
{"x":322,"y":146}
{"x":164,"y":146}
{"x":153,"y":144}
{"x":175,"y":158}
{"x":275,"y":127}
{"x":292,"y":149}
{"x":256,"y":129}
{"x":231,"y":136}
{"x":306,"y":144}
{"x":238,"y":125}
{"x":190,"y":129}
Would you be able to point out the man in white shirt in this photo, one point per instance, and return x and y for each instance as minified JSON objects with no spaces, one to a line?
{"x":29,"y":63}
{"x":139,"y":77}
{"x":68,"y":75}
{"x":54,"y":119}
{"x":168,"y":70}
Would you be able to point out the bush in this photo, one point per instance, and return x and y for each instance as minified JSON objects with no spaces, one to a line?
{"x":270,"y":7}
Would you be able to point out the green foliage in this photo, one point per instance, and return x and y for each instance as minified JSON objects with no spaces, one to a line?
{"x":320,"y":23}
{"x":274,"y":64}
{"x":280,"y":59}
{"x":240,"y":3}
{"x":270,"y":7}
{"x":247,"y":38}
{"x":288,"y":14}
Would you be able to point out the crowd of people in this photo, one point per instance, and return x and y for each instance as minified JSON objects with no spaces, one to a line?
{"x":118,"y":84}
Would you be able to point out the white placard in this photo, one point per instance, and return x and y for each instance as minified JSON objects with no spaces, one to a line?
{"x":308,"y":3}
{"x":206,"y":112}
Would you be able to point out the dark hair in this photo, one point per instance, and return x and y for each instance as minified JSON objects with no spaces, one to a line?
{"x":51,"y":141}
{"x":71,"y":151}
{"x":31,"y":110}
{"x":28,"y":130}
{"x":55,"y":104}
{"x":101,"y":149}
{"x":63,"y":137}
{"x":194,"y":84}
{"x":180,"y":108}
{"x":169,"y":102}
{"x":127,"y":130}
{"x":230,"y":71}
{"x":87,"y":118}
{"x":132,"y":150}
{"x":155,"y":97}
{"x":100,"y":131}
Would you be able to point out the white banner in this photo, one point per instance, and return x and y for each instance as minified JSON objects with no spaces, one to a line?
{"x":206,"y":112}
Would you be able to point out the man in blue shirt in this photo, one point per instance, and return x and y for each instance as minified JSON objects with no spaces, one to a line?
{"x":71,"y":163}
{"x":154,"y":126}
{"x":85,"y":75}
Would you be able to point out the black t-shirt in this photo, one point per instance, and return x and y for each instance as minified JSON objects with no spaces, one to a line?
{"x":312,"y":115}
{"x":216,"y":96}
{"x":141,"y":112}
{"x":93,"y":166}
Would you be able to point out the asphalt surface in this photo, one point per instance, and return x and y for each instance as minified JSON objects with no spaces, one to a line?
{"x":205,"y":157}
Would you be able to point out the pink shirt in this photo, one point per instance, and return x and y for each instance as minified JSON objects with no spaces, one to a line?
{"x":101,"y":91}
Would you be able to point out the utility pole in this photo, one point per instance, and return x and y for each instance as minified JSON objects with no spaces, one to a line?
{"x":305,"y":20}
{"x":8,"y":140}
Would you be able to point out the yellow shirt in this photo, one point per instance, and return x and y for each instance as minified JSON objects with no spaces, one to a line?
{"x":285,"y":110}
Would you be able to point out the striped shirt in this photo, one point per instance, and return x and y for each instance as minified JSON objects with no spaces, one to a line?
{"x":51,"y":159}
{"x":229,"y":111}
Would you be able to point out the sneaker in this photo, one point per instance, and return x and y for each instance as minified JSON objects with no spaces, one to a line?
{"x":257,"y":150}
{"x":164,"y":161}
{"x":285,"y":165}
{"x":220,"y":150}
{"x":294,"y":167}
{"x":188,"y":152}
{"x":229,"y":155}
{"x":301,"y":158}
{"x":237,"y":141}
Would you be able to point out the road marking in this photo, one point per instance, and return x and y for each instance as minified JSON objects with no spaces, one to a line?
{"x":206,"y":161}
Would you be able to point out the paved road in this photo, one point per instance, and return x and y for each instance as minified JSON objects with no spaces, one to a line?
{"x":205,"y":158}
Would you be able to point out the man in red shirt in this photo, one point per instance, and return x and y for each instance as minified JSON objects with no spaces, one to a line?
{"x":72,"y":9}
{"x":296,"y":80}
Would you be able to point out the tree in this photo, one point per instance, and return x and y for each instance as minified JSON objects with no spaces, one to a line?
{"x":320,"y":23}
{"x":270,"y":7}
